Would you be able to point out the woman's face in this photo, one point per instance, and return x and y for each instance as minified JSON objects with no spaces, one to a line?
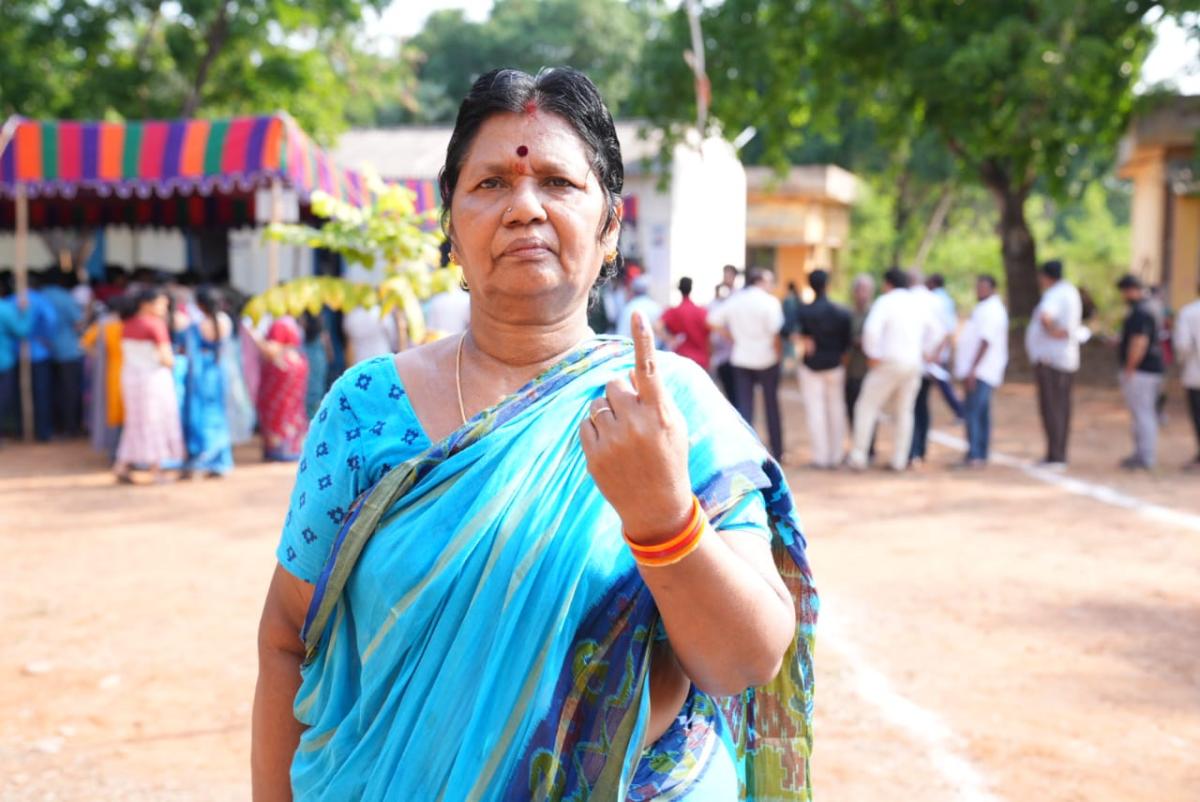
{"x":525,"y":217}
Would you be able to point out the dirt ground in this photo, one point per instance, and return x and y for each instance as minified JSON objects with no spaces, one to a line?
{"x":985,"y":635}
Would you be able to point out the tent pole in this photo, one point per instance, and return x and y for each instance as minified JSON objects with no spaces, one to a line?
{"x":273,"y":244}
{"x":22,"y":270}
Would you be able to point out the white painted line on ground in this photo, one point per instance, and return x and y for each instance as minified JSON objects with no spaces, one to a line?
{"x":927,"y":729}
{"x":1102,"y":493}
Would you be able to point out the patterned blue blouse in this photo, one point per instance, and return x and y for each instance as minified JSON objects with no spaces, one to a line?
{"x":365,"y":427}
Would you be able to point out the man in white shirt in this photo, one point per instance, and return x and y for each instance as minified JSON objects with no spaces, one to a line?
{"x":979,"y":363}
{"x":1187,"y":353}
{"x":753,"y":317}
{"x":941,"y":328}
{"x":1052,"y":343}
{"x":896,"y":336}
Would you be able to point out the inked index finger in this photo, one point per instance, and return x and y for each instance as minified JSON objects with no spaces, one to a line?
{"x":645,"y":367}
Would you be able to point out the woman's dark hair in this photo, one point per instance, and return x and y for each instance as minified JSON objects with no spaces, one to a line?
{"x":147,"y":296}
{"x":558,"y":90}
{"x":210,"y":302}
{"x":312,"y":325}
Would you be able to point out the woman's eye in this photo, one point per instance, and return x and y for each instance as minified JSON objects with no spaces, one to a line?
{"x":559,"y":181}
{"x":489,"y":183}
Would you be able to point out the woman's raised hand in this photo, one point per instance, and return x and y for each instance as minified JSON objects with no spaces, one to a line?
{"x":636,"y":443}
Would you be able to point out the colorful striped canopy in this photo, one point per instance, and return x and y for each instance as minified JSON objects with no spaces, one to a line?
{"x":60,"y":158}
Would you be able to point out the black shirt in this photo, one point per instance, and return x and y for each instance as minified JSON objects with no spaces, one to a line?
{"x":1140,"y":321}
{"x":829,"y":327}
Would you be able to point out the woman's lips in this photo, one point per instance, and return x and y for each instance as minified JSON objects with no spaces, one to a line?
{"x":527,"y":249}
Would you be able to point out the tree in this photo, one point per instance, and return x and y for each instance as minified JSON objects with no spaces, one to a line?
{"x":147,"y":58}
{"x":1024,"y":94}
{"x":604,"y":38}
{"x":388,"y":230}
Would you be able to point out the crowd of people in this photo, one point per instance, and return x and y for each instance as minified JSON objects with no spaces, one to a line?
{"x":164,"y":378}
{"x":886,"y":356}
{"x":162,"y":374}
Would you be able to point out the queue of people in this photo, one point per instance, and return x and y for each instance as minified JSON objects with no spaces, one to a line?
{"x":884,"y":359}
{"x":158,"y":373}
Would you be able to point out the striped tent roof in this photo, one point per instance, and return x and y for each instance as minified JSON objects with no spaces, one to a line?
{"x":166,"y":158}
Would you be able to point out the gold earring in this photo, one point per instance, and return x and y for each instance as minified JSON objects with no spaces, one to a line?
{"x":611,"y":257}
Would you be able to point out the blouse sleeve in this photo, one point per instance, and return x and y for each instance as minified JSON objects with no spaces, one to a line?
{"x":331,"y":474}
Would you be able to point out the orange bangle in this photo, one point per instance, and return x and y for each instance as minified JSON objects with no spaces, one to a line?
{"x":675,"y":549}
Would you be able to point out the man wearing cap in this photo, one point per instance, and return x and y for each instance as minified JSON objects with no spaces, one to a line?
{"x":1141,"y":357}
{"x":1052,"y":343}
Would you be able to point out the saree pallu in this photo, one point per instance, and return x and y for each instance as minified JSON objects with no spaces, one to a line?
{"x":239,"y":408}
{"x":480,"y":631}
{"x":281,"y":416}
{"x":205,"y":423}
{"x":151,"y":435}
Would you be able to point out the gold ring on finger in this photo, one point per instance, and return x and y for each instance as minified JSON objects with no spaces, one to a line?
{"x":595,"y":412}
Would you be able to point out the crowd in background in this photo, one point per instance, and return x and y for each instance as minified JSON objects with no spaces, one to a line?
{"x":162,"y":374}
{"x":885,"y":359}
{"x":165,"y":377}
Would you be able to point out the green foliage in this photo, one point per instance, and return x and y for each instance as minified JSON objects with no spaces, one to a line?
{"x":1090,"y":235}
{"x":389,"y":231}
{"x":142,"y":59}
{"x":1017,"y":97}
{"x":601,"y":37}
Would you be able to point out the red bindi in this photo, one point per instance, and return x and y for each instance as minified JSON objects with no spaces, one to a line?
{"x":531,"y":107}
{"x":522,"y":151}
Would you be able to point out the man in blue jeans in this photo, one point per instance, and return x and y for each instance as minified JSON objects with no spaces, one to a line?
{"x":979,"y":362}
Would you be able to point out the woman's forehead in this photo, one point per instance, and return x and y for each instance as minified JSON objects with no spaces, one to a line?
{"x":541,"y":136}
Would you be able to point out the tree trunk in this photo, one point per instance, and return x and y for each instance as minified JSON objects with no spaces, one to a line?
{"x":936,"y":221}
{"x":1017,"y":247}
{"x":900,"y":214}
{"x":214,"y":42}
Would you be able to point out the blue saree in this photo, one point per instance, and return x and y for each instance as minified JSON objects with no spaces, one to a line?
{"x":479,"y":631}
{"x":205,"y":422}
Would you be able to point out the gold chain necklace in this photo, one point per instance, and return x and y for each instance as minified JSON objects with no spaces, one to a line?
{"x":462,"y":410}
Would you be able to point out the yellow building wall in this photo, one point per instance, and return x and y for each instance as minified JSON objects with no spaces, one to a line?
{"x":791,"y":264}
{"x":1185,"y":259}
{"x":1147,"y":216}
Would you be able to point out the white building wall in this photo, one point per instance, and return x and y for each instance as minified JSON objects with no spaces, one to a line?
{"x":248,"y":261}
{"x":708,"y":224}
{"x":162,"y":248}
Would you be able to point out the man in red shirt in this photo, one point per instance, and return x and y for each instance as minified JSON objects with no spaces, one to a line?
{"x":686,"y":327}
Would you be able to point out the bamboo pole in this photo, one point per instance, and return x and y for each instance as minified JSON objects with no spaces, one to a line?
{"x":22,"y":273}
{"x":273,"y":244}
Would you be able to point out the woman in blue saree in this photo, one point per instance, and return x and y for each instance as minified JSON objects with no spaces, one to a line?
{"x":529,"y":563}
{"x":205,"y":417}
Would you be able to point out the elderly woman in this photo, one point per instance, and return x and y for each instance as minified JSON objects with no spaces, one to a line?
{"x":528,"y":562}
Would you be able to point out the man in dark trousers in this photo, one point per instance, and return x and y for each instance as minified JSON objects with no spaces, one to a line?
{"x":753,"y":319}
{"x":1052,"y":343}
